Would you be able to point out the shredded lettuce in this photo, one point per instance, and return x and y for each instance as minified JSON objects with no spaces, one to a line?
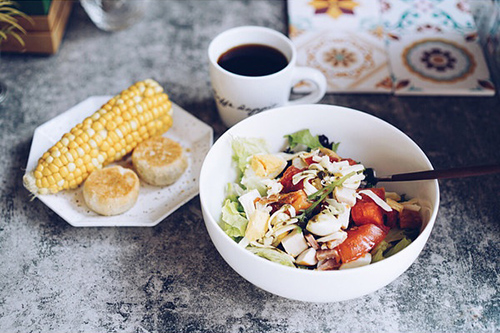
{"x":273,"y":255}
{"x":233,"y":222}
{"x":396,"y":234}
{"x":378,"y":251}
{"x":395,"y":241}
{"x":233,"y":191}
{"x":243,"y":148}
{"x":398,"y":247}
{"x":253,"y":182}
{"x":303,"y":137}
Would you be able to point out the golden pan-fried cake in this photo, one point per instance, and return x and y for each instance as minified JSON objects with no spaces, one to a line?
{"x":159,"y":161}
{"x":111,"y":191}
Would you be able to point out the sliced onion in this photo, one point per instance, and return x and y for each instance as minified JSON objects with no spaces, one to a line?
{"x":377,"y":200}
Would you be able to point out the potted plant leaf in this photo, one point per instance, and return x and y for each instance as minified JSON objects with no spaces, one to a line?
{"x":9,"y":27}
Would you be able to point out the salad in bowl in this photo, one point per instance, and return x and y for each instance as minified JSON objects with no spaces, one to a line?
{"x":278,"y":202}
{"x":308,"y":207}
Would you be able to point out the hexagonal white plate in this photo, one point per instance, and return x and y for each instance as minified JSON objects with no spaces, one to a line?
{"x":154,"y":203}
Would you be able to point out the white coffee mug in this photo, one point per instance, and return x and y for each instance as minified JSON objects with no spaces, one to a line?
{"x":238,"y":96}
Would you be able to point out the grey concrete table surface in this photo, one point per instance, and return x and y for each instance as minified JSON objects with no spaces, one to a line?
{"x":170,"y":278}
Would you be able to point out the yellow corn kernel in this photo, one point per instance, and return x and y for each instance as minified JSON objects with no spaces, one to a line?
{"x":77,"y":173}
{"x":111,"y":125}
{"x":98,"y":139}
{"x":79,"y":162}
{"x":53,"y":168}
{"x":86,"y":148}
{"x":125,"y":128}
{"x":111,"y":153}
{"x":46,"y":172}
{"x":97,"y":126}
{"x":63,"y":171}
{"x":85,"y":137}
{"x":58,"y":177}
{"x":64,"y":159}
{"x":143,"y":130}
{"x":57,"y":162}
{"x":72,"y":155}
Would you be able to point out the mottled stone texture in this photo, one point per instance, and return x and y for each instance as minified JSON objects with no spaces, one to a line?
{"x":170,"y":278}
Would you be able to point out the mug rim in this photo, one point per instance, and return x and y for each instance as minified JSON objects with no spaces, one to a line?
{"x":275,"y":33}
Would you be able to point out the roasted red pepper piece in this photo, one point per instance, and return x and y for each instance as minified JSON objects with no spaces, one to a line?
{"x":391,"y":218}
{"x":366,"y":211}
{"x":286,"y":180}
{"x":298,"y":199}
{"x":410,"y":219}
{"x":360,"y":240}
{"x":350,"y":160}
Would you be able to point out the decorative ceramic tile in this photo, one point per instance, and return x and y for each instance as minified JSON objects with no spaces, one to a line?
{"x":351,"y":62}
{"x":433,"y":48}
{"x":435,"y":16}
{"x":343,"y":39}
{"x":445,"y":64}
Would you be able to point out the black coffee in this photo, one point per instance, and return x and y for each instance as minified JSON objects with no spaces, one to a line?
{"x":253,"y":60}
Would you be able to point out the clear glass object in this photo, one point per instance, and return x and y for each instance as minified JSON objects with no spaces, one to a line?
{"x":114,"y":15}
{"x":3,"y":92}
{"x":487,"y":16}
{"x":493,"y":40}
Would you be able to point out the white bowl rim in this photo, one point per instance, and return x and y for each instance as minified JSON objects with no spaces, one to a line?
{"x":423,"y":235}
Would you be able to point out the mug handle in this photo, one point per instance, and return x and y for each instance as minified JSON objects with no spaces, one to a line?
{"x":316,"y":77}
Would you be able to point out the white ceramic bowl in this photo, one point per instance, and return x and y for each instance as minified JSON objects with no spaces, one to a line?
{"x":364,"y":138}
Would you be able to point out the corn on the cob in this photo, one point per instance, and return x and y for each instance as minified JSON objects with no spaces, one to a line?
{"x":136,"y":114}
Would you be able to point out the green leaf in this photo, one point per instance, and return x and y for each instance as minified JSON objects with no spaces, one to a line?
{"x":243,"y":148}
{"x":335,"y":146}
{"x":233,"y":222}
{"x":303,"y":137}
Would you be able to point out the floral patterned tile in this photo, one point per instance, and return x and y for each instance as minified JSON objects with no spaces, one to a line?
{"x":351,"y":62}
{"x":344,"y":39}
{"x":426,"y":16}
{"x":438,"y":64}
{"x":317,"y":15}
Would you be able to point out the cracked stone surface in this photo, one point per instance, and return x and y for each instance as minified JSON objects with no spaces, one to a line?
{"x":170,"y":278}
